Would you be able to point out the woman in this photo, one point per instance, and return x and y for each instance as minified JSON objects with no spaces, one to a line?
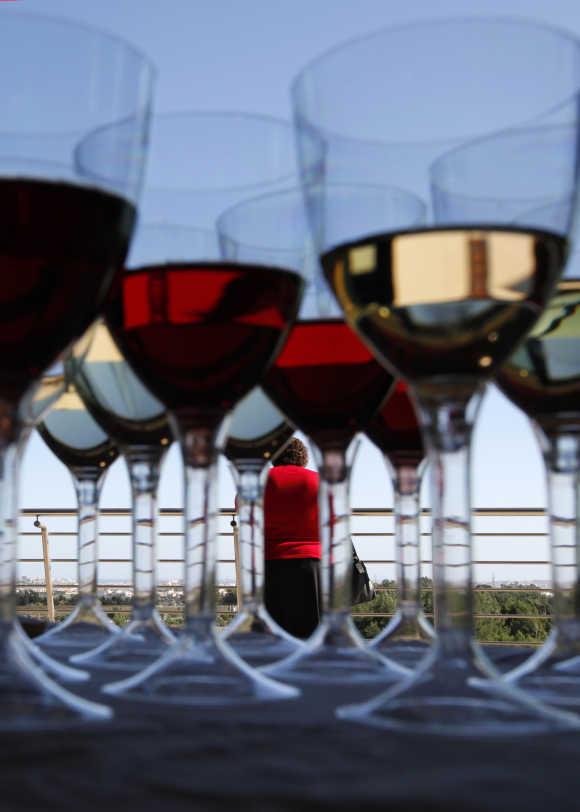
{"x":292,"y":542}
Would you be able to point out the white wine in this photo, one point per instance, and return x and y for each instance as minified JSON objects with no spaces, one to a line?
{"x":542,"y":376}
{"x":116,"y":398}
{"x":445,"y":303}
{"x":71,"y":433}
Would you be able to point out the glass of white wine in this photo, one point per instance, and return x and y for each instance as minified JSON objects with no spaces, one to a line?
{"x":542,"y":378}
{"x":124,"y":408}
{"x":444,"y":305}
{"x":83,"y":447}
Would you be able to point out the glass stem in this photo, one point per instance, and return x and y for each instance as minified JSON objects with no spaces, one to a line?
{"x":562,"y":459}
{"x":88,"y":485}
{"x":249,"y":482}
{"x":144,"y":467}
{"x":335,"y":467}
{"x":447,"y":428}
{"x":200,"y":532}
{"x":10,"y":456}
{"x":406,"y":487}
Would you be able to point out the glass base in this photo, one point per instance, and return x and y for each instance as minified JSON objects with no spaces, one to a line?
{"x":59,"y":671}
{"x":552,"y":673}
{"x":29,"y":700}
{"x":336,"y":653}
{"x":456,"y":692}
{"x":406,"y":639}
{"x":258,"y":639}
{"x":139,"y":644}
{"x":200,"y":670}
{"x":87,"y":626}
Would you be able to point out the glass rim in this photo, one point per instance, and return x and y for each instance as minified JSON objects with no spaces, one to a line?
{"x":495,"y":20}
{"x":216,"y":115}
{"x":510,"y":134}
{"x":300,"y":191}
{"x":89,"y":28}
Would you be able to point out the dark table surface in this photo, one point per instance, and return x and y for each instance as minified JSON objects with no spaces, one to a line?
{"x":291,"y":755}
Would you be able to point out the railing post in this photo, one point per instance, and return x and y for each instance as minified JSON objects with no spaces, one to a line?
{"x":234,"y":526}
{"x":47,"y":570}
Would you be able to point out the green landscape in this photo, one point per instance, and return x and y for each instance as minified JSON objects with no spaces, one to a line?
{"x":516,"y":613}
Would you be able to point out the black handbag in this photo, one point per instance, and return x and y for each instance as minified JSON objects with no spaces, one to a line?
{"x":363,"y":590}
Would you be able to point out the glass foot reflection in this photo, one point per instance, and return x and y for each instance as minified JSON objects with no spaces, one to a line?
{"x":405,"y":640}
{"x":204,"y":673}
{"x":139,"y":644}
{"x":86,"y":627}
{"x":258,"y":639}
{"x":552,"y":673}
{"x":458,"y":693}
{"x":29,"y":700}
{"x":336,"y":653}
{"x":57,"y":670}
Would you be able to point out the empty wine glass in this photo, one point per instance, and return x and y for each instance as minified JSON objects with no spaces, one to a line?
{"x":200,"y":331}
{"x":257,"y":433}
{"x":137,"y":422}
{"x":396,"y":433}
{"x":80,"y":444}
{"x":329,"y":385}
{"x":66,"y":228}
{"x":444,"y":306}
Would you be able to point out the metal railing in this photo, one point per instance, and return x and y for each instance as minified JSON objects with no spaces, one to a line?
{"x":378,"y":539}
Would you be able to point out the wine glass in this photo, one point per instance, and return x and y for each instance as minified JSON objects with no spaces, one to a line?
{"x":66,"y":229}
{"x":200,"y":332}
{"x":542,"y":378}
{"x":329,"y":385}
{"x":45,"y":396}
{"x":396,"y":433}
{"x":80,"y":444}
{"x":258,"y":432}
{"x":444,"y":306}
{"x":137,"y":422}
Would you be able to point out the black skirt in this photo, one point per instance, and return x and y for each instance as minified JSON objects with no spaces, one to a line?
{"x":292,"y":594}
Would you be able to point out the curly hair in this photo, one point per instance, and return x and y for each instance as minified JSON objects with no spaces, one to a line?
{"x":295,"y":453}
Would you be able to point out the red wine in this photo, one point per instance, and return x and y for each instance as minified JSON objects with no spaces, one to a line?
{"x":327,"y":382}
{"x":395,"y":429}
{"x":258,"y":429}
{"x":201,"y":335}
{"x":59,"y":247}
{"x":71,"y":433}
{"x":542,"y":376}
{"x":445,"y":304}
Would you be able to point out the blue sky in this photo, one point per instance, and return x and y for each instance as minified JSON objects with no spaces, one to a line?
{"x":242,"y":55}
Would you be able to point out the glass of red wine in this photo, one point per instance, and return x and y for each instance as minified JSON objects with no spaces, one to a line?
{"x":258,"y":432}
{"x":67,"y":223}
{"x":80,"y":444}
{"x":123,"y":408}
{"x":200,"y":331}
{"x":444,"y":305}
{"x":396,"y":432}
{"x":329,"y":385}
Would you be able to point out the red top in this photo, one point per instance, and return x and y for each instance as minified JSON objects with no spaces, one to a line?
{"x":291,"y":513}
